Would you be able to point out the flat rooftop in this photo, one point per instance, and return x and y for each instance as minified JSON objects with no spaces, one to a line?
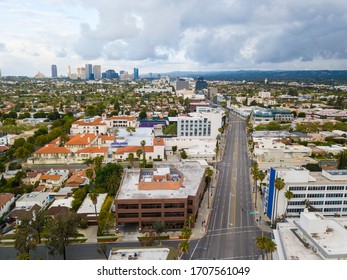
{"x":139,"y":254}
{"x":192,"y":175}
{"x":332,"y":243}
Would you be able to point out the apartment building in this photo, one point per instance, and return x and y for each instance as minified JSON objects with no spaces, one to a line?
{"x":324,"y":192}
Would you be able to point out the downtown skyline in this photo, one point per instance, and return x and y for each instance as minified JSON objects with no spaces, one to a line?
{"x":176,"y":36}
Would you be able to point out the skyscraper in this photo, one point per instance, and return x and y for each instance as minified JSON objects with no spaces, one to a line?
{"x":89,"y":71}
{"x":54,"y":71}
{"x":136,"y":73}
{"x":97,"y":72}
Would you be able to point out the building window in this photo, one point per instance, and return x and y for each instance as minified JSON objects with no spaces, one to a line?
{"x":332,"y":209}
{"x":315,"y":195}
{"x":335,"y":188}
{"x":151,"y":215}
{"x":150,"y":205}
{"x":174,"y":214}
{"x":316,"y":188}
{"x":295,"y":188}
{"x":334,"y":195}
{"x":333,"y":202}
{"x":299,"y":195}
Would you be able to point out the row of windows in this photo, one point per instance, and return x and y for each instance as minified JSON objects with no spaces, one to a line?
{"x":151,"y":215}
{"x":317,"y":195}
{"x":334,"y":209}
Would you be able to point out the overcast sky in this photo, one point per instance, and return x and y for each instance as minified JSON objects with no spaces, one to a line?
{"x":161,"y":36}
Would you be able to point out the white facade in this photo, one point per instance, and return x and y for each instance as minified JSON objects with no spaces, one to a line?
{"x":28,"y":200}
{"x":200,"y":125}
{"x":324,"y":192}
{"x":311,"y":237}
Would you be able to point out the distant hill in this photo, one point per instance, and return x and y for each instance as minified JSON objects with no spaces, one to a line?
{"x":307,"y":76}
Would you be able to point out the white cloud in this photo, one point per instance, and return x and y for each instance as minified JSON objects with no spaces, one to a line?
{"x":201,"y":34}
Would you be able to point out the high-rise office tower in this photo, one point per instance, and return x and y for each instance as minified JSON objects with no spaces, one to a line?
{"x":136,"y":73}
{"x":97,"y":72}
{"x":89,"y":71}
{"x":69,"y":71}
{"x":54,"y":71}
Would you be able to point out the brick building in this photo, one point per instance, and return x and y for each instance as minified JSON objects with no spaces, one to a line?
{"x":168,"y":193}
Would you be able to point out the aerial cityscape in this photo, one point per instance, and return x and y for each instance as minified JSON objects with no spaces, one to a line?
{"x":150,"y":132}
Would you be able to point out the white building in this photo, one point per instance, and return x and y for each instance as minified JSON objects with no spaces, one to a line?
{"x":28,"y":200}
{"x":311,"y":237}
{"x":269,"y":152}
{"x":95,"y":125}
{"x":200,"y":125}
{"x":324,"y":192}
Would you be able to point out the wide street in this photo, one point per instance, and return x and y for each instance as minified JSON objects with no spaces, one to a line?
{"x":231,"y":229}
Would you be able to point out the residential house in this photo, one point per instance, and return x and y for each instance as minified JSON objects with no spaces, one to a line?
{"x":54,"y":179}
{"x":91,"y":153}
{"x":6,"y":201}
{"x":78,"y":179}
{"x":51,"y":153}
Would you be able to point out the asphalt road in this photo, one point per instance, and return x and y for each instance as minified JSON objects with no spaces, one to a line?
{"x":231,"y":228}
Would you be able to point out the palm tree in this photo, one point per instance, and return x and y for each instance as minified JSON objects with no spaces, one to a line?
{"x":94,"y":198}
{"x":138,"y":154}
{"x":186,"y":233}
{"x":183,"y":247}
{"x":98,"y":161}
{"x":208,"y":176}
{"x":270,"y":246}
{"x":255,"y":174}
{"x":279,"y":185}
{"x":90,"y":174}
{"x":190,"y":220}
{"x":131,"y":158}
{"x":143,"y":143}
{"x":261,"y":244}
{"x":112,"y":184}
{"x":289,"y":195}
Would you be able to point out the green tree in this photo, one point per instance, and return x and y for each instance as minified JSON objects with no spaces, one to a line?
{"x":279,"y":185}
{"x":130,"y":130}
{"x":288,"y":195}
{"x":143,"y":143}
{"x":270,"y":247}
{"x":255,"y":174}
{"x":301,"y":115}
{"x":170,"y":129}
{"x":143,"y":114}
{"x":94,"y":198}
{"x":186,"y":232}
{"x":342,"y":160}
{"x":138,"y":154}
{"x":183,"y":247}
{"x":61,"y":233}
{"x":159,"y":228}
{"x":98,"y":161}
{"x":183,"y":154}
{"x":22,"y":153}
{"x":25,"y":239}
{"x":39,"y":223}
{"x":131,"y":158}
{"x":261,"y":244}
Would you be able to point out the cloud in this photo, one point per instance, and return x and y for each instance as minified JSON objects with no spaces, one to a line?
{"x":2,"y":47}
{"x":221,"y":32}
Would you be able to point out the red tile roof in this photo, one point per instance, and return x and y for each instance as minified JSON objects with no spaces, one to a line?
{"x":128,"y":118}
{"x":50,"y":177}
{"x":157,"y":141}
{"x":133,"y":149}
{"x":53,"y":149}
{"x":5,"y":197}
{"x":81,"y":139}
{"x":97,"y":121}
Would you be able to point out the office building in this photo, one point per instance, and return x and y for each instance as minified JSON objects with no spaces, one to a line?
{"x":265,"y":115}
{"x":200,"y":125}
{"x":181,"y":84}
{"x":167,"y":193}
{"x":111,"y":74}
{"x":88,"y":71}
{"x":97,"y":72}
{"x":136,"y":74}
{"x":200,"y":84}
{"x":324,"y":192}
{"x":54,"y":71}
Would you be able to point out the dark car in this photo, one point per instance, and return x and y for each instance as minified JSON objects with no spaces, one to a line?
{"x":6,"y":230}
